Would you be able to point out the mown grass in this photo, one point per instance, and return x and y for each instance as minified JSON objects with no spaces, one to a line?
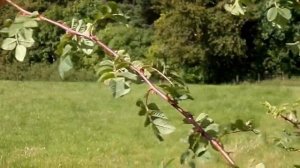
{"x":59,"y":124}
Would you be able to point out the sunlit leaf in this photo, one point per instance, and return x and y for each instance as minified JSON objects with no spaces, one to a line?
{"x":284,"y":12}
{"x":158,"y":114}
{"x":260,"y":165}
{"x":156,"y":132}
{"x":104,"y":69}
{"x":34,"y":14}
{"x":201,"y":117}
{"x":163,"y":126}
{"x":235,"y":8}
{"x":22,"y":19}
{"x":20,"y":53}
{"x":272,"y":14}
{"x":128,"y":75}
{"x":106,"y":76}
{"x":30,"y":24}
{"x":14,"y":29}
{"x":106,"y":63}
{"x":9,"y":44}
{"x":212,"y":129}
{"x":25,"y":37}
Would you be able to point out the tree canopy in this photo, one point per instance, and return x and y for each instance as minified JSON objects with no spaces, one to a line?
{"x":198,"y":38}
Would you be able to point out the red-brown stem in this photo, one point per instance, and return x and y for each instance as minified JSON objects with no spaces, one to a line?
{"x":189,"y":117}
{"x":295,"y":124}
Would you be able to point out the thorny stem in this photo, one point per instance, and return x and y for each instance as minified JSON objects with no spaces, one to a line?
{"x":188,"y":116}
{"x":295,"y":124}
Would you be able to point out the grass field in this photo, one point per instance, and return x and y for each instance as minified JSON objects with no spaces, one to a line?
{"x":48,"y":124}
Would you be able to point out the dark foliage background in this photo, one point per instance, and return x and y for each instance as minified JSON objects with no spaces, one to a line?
{"x":198,"y":38}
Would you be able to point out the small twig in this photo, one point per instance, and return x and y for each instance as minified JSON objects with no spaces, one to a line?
{"x":147,"y":97}
{"x":295,"y":124}
{"x":163,"y":75}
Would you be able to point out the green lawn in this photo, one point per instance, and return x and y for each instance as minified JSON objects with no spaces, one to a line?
{"x":59,"y":124}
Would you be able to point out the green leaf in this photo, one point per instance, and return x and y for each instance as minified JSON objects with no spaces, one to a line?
{"x":206,"y":156}
{"x":14,"y":29}
{"x":119,"y":87}
{"x":65,"y":65}
{"x":128,"y":75}
{"x":212,"y":129}
{"x":113,"y":6}
{"x":9,"y":44}
{"x":166,"y":165}
{"x":7,"y":22}
{"x":122,"y":65}
{"x":192,"y":164}
{"x":22,"y":19}
{"x":106,"y":63}
{"x":20,"y":53}
{"x":27,"y":33}
{"x":153,"y":106}
{"x":4,"y":30}
{"x":177,"y":92}
{"x":87,"y":46}
{"x":66,"y":50}
{"x":185,"y":156}
{"x":163,"y":126}
{"x":280,"y":21}
{"x":147,"y":122}
{"x":104,"y":69}
{"x":119,"y":18}
{"x":175,"y":77}
{"x":201,"y":117}
{"x":140,"y":66}
{"x":105,"y":10}
{"x":272,"y":14}
{"x":234,"y":9}
{"x":295,"y":47}
{"x":260,"y":165}
{"x":284,"y":12}
{"x":35,"y":14}
{"x":30,"y":24}
{"x":142,"y":106}
{"x":156,"y":133}
{"x":200,"y":151}
{"x":25,"y":37}
{"x":106,"y":76}
{"x":158,"y":114}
